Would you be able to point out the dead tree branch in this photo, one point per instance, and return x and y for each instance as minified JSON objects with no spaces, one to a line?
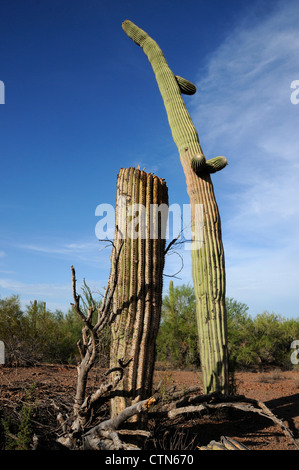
{"x":105,"y":435}
{"x":88,"y":349}
{"x":203,"y":404}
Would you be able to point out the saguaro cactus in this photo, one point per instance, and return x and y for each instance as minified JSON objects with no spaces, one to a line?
{"x":207,"y":254}
{"x":141,"y":216}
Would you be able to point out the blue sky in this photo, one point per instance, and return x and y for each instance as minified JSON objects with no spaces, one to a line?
{"x":81,"y":101}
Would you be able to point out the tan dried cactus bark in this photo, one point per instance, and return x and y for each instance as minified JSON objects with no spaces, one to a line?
{"x":138,"y":295}
{"x":208,"y":264}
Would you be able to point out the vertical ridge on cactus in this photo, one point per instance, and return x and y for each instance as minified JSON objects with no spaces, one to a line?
{"x":208,"y":264}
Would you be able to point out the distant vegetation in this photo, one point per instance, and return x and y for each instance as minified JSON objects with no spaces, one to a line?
{"x":36,"y":334}
{"x":263,"y":340}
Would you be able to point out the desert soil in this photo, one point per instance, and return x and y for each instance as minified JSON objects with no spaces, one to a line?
{"x":54,"y":387}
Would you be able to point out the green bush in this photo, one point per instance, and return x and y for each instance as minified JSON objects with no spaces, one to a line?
{"x":18,"y":435}
{"x":13,"y":328}
{"x":177,"y":338}
{"x":240,"y":331}
{"x":272,"y":338}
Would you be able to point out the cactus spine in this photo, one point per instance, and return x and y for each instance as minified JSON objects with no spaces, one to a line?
{"x":208,"y":266}
{"x":138,"y":295}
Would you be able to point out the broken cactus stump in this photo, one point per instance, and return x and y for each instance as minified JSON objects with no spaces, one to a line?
{"x":141,"y":216}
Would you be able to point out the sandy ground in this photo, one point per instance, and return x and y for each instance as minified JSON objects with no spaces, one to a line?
{"x":279,"y":390}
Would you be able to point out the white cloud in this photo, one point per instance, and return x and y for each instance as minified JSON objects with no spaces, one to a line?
{"x":243,"y":111}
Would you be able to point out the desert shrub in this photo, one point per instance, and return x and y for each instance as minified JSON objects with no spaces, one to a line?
{"x":240,"y":331}
{"x":12,"y":329}
{"x":18,"y":434}
{"x":272,"y":337}
{"x":177,"y":338}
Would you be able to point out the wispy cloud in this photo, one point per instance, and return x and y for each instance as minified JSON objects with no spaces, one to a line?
{"x":46,"y":289}
{"x":91,"y":251}
{"x":89,"y":257}
{"x":57,"y":295}
{"x":243,"y":111}
{"x":60,"y":248}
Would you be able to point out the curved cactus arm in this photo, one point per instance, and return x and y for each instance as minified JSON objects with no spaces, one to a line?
{"x":171,"y":88}
{"x":214,"y":164}
{"x":186,"y":87}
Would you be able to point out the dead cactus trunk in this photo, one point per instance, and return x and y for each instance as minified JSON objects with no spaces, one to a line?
{"x":141,"y":216}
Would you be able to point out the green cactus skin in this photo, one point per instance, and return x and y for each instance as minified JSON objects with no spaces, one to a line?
{"x":138,"y":296}
{"x":186,"y":87}
{"x":208,"y":264}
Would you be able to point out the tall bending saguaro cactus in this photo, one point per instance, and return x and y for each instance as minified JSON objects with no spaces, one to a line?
{"x":207,"y":256}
